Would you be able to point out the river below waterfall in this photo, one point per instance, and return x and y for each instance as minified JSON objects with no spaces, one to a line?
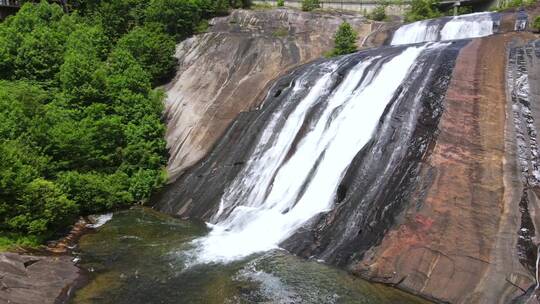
{"x":139,"y":256}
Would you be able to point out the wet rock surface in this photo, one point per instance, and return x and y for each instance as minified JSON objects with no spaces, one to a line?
{"x":227,"y":71}
{"x":458,"y":239}
{"x":26,"y":279}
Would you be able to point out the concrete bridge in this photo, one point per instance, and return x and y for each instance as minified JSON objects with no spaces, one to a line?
{"x":397,"y":8}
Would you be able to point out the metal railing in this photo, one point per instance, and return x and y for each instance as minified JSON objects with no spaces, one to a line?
{"x":10,"y":3}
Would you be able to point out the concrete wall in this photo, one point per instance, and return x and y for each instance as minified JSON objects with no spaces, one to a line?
{"x":6,"y":11}
{"x":347,"y":5}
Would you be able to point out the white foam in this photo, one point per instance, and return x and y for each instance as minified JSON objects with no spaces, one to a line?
{"x":100,"y":220}
{"x":458,"y":27}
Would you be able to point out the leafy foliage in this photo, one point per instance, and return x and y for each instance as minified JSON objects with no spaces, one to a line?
{"x":280,"y":3}
{"x":152,"y":49}
{"x":422,"y":9}
{"x":536,"y":23}
{"x":510,"y":4}
{"x":80,"y":125}
{"x":345,"y":40}
{"x":309,"y":5}
{"x":378,"y":13}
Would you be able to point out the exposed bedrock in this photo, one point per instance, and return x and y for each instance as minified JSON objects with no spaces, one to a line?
{"x":442,"y":201}
{"x":463,"y":236}
{"x":226,"y":71}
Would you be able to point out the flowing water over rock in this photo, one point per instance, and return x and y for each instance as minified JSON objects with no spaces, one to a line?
{"x":322,"y":131}
{"x":398,"y":162}
{"x":131,"y":260}
{"x":449,"y":28}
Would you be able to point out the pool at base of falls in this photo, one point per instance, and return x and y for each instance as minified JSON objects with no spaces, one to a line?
{"x":137,"y":257}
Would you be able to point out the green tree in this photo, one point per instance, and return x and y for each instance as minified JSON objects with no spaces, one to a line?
{"x":96,"y":192}
{"x":39,"y":55}
{"x":80,"y":125}
{"x":117,"y":17}
{"x":152,"y":49}
{"x":345,"y":40}
{"x":422,"y":9}
{"x":124,"y":75}
{"x":8,"y":51}
{"x":42,"y":208}
{"x":378,"y":13}
{"x":80,"y":76}
{"x":309,"y":5}
{"x":177,"y":17}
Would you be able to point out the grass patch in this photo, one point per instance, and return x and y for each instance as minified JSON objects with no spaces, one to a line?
{"x":262,"y":6}
{"x":12,"y":241}
{"x":280,"y":32}
{"x":202,"y":27}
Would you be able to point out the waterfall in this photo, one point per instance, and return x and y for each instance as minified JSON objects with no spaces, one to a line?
{"x":294,"y":170}
{"x":443,"y":29}
{"x":420,"y":31}
{"x":522,"y":19}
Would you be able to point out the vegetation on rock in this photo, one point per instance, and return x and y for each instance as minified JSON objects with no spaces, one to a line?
{"x":80,"y":125}
{"x":344,"y":40}
{"x":309,"y":5}
{"x":378,"y":13}
{"x":509,"y":4}
{"x":536,"y":24}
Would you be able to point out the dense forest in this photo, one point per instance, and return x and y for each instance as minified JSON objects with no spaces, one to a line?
{"x":81,"y":130}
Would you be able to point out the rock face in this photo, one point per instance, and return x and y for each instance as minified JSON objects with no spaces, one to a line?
{"x":28,"y":279}
{"x":444,"y":199}
{"x":227,"y":70}
{"x":458,"y":239}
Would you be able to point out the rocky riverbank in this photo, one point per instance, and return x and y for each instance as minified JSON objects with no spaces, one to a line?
{"x":28,"y":279}
{"x":48,"y":274}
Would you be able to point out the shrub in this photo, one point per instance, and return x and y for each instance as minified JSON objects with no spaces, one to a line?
{"x":178,"y":18}
{"x":280,"y":3}
{"x":536,"y":24}
{"x":378,"y":13}
{"x":345,"y":40}
{"x":514,"y":4}
{"x":202,"y":27}
{"x":422,"y":9}
{"x":96,"y":192}
{"x":42,"y":208}
{"x":309,"y":5}
{"x":151,"y":48}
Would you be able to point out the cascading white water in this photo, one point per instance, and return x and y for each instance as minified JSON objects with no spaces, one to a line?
{"x":279,"y":190}
{"x":416,"y":32}
{"x":458,"y":27}
{"x":468,"y":26}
